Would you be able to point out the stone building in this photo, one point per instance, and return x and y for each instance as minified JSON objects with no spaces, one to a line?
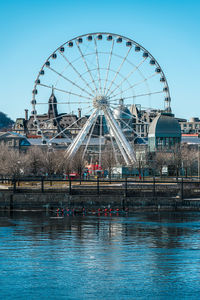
{"x":143,"y":118}
{"x":51,"y":123}
{"x":133,"y":120}
{"x":54,"y":124}
{"x":190,"y":127}
{"x":14,"y":140}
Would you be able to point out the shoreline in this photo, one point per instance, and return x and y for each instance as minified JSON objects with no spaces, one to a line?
{"x":50,"y":201}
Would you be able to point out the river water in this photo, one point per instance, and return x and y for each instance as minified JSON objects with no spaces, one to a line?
{"x":138,"y":256}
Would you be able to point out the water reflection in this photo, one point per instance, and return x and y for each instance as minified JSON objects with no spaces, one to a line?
{"x":143,"y":255}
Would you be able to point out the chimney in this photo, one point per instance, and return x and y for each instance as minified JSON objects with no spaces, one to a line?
{"x":26,"y":114}
{"x":79,"y":113}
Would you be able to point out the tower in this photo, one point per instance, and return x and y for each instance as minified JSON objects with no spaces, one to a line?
{"x":52,"y":111}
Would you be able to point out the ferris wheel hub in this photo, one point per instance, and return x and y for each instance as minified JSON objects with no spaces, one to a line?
{"x":100,"y":102}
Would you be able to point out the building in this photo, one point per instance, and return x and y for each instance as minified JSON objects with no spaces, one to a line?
{"x":51,"y":123}
{"x":191,"y":127}
{"x":143,"y":119}
{"x":14,"y":140}
{"x":63,"y":125}
{"x":134,"y":121}
{"x":164,"y":133}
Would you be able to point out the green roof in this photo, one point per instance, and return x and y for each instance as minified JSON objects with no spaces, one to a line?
{"x":164,"y":125}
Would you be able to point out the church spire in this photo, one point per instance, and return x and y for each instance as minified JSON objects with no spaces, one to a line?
{"x":52,"y":111}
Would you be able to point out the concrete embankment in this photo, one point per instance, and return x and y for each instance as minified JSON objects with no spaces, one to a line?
{"x":51,"y":200}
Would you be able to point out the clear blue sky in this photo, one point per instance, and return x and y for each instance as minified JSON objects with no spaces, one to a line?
{"x":31,"y":30}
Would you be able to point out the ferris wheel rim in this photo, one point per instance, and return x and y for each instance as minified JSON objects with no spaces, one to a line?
{"x":116,"y":35}
{"x":89,"y":70}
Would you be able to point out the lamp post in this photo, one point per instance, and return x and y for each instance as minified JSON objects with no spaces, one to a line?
{"x":182,"y":170}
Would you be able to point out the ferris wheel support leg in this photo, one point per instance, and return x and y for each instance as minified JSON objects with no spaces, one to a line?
{"x":126,"y":159}
{"x":73,"y":148}
{"x":120,"y":136}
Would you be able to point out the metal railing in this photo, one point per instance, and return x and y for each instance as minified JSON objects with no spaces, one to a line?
{"x":126,"y":187}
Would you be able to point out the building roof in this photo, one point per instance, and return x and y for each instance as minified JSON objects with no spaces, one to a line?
{"x":12,"y":135}
{"x":38,"y":141}
{"x":23,"y":141}
{"x":164,"y":125}
{"x":64,"y":141}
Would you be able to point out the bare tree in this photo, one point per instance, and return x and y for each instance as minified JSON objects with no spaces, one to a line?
{"x":78,"y":163}
{"x":108,"y":160}
{"x":141,"y":160}
{"x":50,"y":162}
{"x":68,"y":165}
{"x":3,"y":159}
{"x":189,"y":158}
{"x":12,"y":162}
{"x":35,"y":161}
{"x":161,"y":159}
{"x":63,"y":163}
{"x":176,"y":159}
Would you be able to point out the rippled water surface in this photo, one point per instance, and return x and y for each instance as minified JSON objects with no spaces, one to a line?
{"x":140,"y":256}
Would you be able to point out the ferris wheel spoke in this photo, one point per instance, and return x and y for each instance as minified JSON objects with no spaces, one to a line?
{"x":71,"y":102}
{"x":77,"y":72}
{"x":64,"y":91}
{"x":136,"y":84}
{"x":136,"y":96}
{"x":108,"y":68}
{"x":136,"y":133}
{"x":77,"y":142}
{"x":98,"y":68}
{"x":125,"y":78}
{"x":141,"y":122}
{"x":132,"y":116}
{"x":118,"y":70}
{"x":70,"y":81}
{"x":86,"y":65}
{"x":103,"y":78}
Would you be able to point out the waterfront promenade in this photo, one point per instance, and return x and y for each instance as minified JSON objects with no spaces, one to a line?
{"x":127,"y":194}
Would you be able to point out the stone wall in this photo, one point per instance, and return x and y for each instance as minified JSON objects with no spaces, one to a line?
{"x":51,"y":201}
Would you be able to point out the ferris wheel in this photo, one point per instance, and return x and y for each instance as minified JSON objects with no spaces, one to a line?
{"x":88,"y":86}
